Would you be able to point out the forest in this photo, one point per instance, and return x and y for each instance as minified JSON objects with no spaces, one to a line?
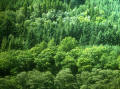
{"x":59,"y":44}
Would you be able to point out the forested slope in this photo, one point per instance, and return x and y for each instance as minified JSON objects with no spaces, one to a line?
{"x":59,"y":44}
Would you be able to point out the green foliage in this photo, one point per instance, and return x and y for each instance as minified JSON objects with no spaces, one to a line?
{"x":8,"y":23}
{"x":69,"y":62}
{"x":76,"y":52}
{"x":67,"y":44}
{"x":84,"y":64}
{"x":75,"y":3}
{"x":25,"y":61}
{"x":8,"y":83}
{"x":7,"y":62}
{"x":95,"y":67}
{"x":44,"y":80}
{"x":77,"y":41}
{"x":118,"y":60}
{"x":4,"y":43}
{"x":43,"y":6}
{"x":51,"y":43}
{"x":13,"y":62}
{"x":35,"y":21}
{"x":65,"y":80}
{"x":59,"y":57}
{"x":97,"y":79}
{"x":45,"y":60}
{"x":38,"y":48}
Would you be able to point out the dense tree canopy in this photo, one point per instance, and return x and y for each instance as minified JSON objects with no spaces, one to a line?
{"x":59,"y":44}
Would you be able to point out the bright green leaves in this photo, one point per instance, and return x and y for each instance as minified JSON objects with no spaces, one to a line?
{"x":98,"y":57}
{"x":7,"y":62}
{"x":38,"y":48}
{"x":59,"y":57}
{"x":73,"y":66}
{"x":68,"y":62}
{"x":67,"y":44}
{"x":118,"y":61}
{"x":35,"y":21}
{"x":35,"y":80}
{"x":43,"y":6}
{"x":84,"y":64}
{"x":65,"y":80}
{"x":25,"y":61}
{"x":13,"y":62}
{"x":89,"y":57}
{"x":54,"y":57}
{"x":45,"y":60}
{"x":96,"y":79}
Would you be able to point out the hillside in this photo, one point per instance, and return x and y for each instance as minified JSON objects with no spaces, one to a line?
{"x":59,"y":44}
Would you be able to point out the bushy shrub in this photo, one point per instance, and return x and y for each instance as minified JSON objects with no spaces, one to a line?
{"x":67,"y":44}
{"x":25,"y":61}
{"x":45,"y":60}
{"x":7,"y":62}
{"x":8,"y":83}
{"x":65,"y":80}
{"x":97,"y":79}
{"x":35,"y":80}
{"x":59,"y":57}
{"x":38,"y":49}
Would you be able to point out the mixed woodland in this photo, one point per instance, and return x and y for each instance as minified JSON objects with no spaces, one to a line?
{"x":59,"y":44}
